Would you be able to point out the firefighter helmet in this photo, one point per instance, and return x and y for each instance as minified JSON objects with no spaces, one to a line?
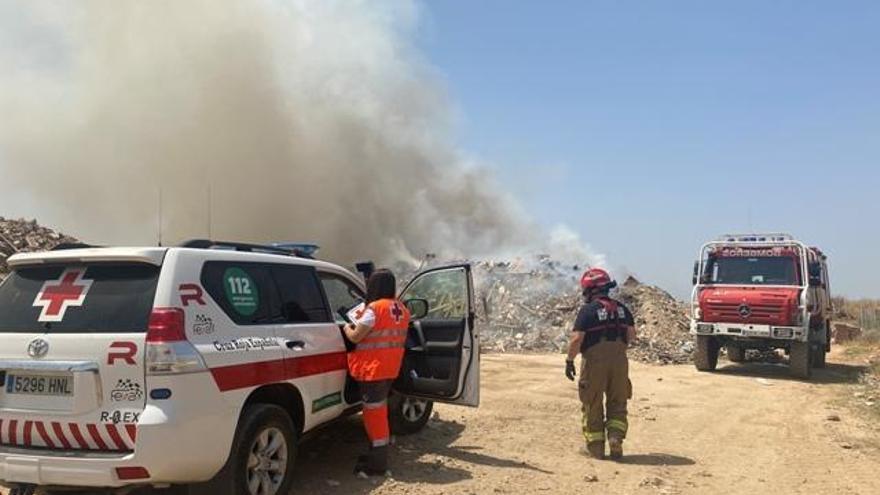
{"x":596,"y":280}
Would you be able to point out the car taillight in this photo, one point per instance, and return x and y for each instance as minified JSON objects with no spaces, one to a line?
{"x":168,"y":351}
{"x":166,"y":325}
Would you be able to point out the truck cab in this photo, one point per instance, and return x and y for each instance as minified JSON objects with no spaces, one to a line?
{"x":761,"y":291}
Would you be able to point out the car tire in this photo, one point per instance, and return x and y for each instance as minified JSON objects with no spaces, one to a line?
{"x":408,"y":415}
{"x":261,"y":428}
{"x":736,"y":354}
{"x":819,"y":356}
{"x":706,"y":355}
{"x":799,"y":357}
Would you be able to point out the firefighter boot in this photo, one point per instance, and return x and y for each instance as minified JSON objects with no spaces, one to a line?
{"x":596,"y":450}
{"x":615,"y":445}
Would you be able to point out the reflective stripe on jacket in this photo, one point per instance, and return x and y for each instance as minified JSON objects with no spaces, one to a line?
{"x":379,"y":355}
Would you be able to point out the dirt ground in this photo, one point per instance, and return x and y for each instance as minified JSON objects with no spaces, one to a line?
{"x":744,"y":429}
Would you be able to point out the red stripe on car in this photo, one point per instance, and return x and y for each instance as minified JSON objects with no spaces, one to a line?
{"x":59,"y":432}
{"x":13,"y":432}
{"x":132,"y":433}
{"x":252,"y":374}
{"x":117,"y":439}
{"x":77,"y":435}
{"x":28,"y":427}
{"x":96,"y":436}
{"x":47,"y":440}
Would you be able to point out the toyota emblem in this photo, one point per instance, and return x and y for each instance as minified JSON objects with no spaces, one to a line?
{"x":745,"y":311}
{"x":38,"y":348}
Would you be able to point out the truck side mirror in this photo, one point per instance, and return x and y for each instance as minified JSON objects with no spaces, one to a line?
{"x":696,"y":271}
{"x":815,"y":272}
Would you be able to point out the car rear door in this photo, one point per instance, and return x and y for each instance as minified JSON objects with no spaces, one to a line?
{"x":72,"y":354}
{"x":442,"y":361}
{"x":314,"y":351}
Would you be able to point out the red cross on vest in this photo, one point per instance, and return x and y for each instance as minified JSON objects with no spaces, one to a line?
{"x":396,"y":312}
{"x":57,"y":295}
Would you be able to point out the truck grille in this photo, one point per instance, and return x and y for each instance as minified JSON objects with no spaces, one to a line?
{"x":760,"y":313}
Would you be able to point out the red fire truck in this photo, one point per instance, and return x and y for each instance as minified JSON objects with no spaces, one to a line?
{"x":761,"y":291}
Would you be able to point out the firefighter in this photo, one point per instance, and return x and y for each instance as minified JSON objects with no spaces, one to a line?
{"x":379,"y":333}
{"x":602,"y":332}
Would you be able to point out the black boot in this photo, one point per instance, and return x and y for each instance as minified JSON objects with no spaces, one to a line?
{"x":373,"y":464}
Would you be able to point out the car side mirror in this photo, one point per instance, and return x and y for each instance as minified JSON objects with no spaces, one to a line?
{"x":418,"y":308}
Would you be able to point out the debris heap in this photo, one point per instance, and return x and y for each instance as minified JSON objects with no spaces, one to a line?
{"x":527,"y":305}
{"x":25,"y":235}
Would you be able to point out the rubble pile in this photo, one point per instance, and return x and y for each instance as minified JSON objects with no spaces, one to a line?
{"x":527,"y":306}
{"x":662,"y":324}
{"x":25,"y":235}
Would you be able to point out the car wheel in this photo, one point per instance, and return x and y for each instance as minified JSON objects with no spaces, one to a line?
{"x":819,"y":356}
{"x":264,"y":452}
{"x":706,"y":355}
{"x":799,"y":358}
{"x":408,"y":415}
{"x":736,"y":354}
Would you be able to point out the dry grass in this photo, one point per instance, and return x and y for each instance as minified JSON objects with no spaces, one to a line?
{"x":863,"y":312}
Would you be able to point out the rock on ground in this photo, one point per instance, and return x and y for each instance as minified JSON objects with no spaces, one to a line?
{"x":24,"y":236}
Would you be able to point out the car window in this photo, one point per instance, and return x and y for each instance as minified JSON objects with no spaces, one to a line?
{"x":446,"y":291}
{"x":301,"y":298}
{"x":341,"y":294}
{"x":246,"y":292}
{"x":88,"y":298}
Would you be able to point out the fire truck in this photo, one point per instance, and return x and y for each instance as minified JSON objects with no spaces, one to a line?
{"x":761,"y":291}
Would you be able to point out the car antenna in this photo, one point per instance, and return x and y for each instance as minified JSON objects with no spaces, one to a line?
{"x":210,"y":213}
{"x":159,"y":217}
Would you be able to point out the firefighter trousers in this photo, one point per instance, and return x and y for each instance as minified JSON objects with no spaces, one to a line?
{"x":604,"y":375}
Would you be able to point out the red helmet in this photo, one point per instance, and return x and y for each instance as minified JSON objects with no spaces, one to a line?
{"x":596,"y":279}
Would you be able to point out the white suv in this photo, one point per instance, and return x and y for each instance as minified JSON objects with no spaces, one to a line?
{"x":200,"y":367}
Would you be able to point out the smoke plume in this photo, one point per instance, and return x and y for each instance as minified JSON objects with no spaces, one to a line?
{"x":257,"y":121}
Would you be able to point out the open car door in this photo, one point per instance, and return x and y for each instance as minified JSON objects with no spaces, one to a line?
{"x":442,"y":361}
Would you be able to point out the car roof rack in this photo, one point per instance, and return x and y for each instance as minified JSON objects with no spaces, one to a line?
{"x":283,"y":249}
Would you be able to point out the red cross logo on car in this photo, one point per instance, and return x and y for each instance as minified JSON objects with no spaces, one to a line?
{"x":57,"y":295}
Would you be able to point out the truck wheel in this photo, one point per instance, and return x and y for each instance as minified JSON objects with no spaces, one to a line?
{"x":262,"y":457}
{"x":799,"y":359}
{"x":706,"y":357}
{"x":408,"y":415}
{"x":736,"y":354}
{"x":819,"y":356}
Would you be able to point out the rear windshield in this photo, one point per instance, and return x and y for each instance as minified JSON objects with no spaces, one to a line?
{"x":762,"y":270}
{"x":91,"y":298}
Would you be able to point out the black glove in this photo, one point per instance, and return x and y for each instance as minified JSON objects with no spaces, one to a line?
{"x":570,"y":372}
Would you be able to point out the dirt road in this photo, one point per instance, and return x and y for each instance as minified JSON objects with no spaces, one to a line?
{"x":745,"y":429}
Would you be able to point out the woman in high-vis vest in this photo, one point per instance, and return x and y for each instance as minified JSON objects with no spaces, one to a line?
{"x":379,"y":333}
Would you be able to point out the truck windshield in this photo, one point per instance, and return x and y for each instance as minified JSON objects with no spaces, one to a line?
{"x":766,"y":270}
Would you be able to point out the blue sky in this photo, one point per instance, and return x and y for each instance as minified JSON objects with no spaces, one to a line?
{"x":650,"y":127}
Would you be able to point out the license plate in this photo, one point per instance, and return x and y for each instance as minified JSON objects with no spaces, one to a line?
{"x":59,"y":386}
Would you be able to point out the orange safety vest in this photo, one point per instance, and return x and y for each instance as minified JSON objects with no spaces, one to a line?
{"x":379,"y":355}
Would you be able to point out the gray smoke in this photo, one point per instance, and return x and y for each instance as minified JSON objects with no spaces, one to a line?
{"x":257,"y":121}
